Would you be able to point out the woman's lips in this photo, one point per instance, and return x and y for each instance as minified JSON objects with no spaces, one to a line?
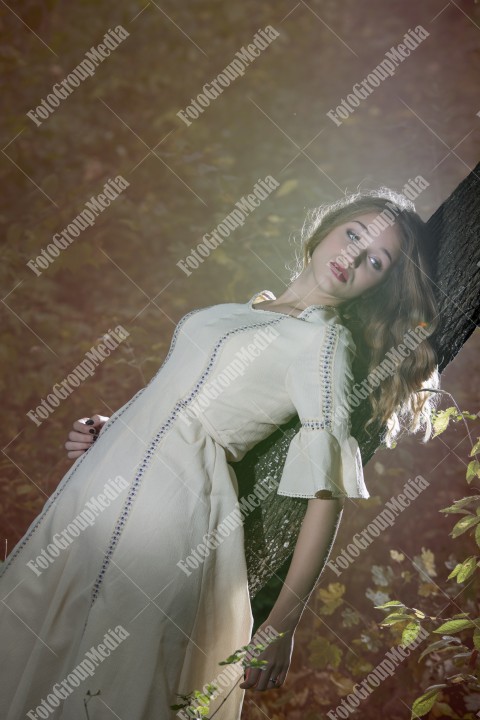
{"x":339,"y":272}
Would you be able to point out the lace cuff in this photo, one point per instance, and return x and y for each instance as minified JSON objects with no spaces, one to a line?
{"x":320,"y":465}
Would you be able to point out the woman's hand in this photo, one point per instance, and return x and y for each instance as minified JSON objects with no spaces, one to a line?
{"x":278,"y":654}
{"x":85,"y":432}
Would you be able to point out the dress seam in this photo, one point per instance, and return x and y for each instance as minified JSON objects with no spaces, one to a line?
{"x":181,"y":404}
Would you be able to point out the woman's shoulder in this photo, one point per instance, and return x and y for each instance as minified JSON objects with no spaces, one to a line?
{"x":333,"y":327}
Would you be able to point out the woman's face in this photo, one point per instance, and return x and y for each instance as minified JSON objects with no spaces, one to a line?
{"x":346,"y":275}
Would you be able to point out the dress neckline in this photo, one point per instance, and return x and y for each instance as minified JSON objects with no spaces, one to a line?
{"x":301,"y":316}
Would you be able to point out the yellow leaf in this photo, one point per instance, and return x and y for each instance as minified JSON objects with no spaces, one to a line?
{"x":427,"y":589}
{"x":220,"y":256}
{"x":334,"y":591}
{"x":324,"y":653}
{"x":428,"y":559}
{"x":287,"y":187}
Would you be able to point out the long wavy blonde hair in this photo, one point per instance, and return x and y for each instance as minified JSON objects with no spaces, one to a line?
{"x":380,"y":318}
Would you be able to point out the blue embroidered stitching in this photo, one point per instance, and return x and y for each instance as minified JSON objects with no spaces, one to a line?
{"x":326,"y":363}
{"x":314,"y":424}
{"x":181,"y":404}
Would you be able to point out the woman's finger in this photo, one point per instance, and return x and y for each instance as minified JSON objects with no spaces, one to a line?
{"x":264,"y":682}
{"x":82,"y":427}
{"x":72,"y":454}
{"x":81,"y":437}
{"x":280,"y":677}
{"x":259,"y":679}
{"x":69,"y":445}
{"x":251,"y":677}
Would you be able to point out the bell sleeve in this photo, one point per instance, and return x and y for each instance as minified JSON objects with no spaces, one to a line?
{"x":323,"y":458}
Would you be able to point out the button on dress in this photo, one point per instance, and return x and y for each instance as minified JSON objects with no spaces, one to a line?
{"x":136,"y":601}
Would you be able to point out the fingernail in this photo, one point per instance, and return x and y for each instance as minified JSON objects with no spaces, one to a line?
{"x":95,"y":437}
{"x":90,"y":422}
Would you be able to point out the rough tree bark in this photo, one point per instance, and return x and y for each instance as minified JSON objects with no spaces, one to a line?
{"x":271,"y":530}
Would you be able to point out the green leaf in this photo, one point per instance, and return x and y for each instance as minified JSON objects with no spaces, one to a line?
{"x":410,"y":633}
{"x":231,"y":659}
{"x":438,"y":645}
{"x":395,"y":618}
{"x":441,"y":420}
{"x":254,"y":662}
{"x":464,"y":524}
{"x":475,"y":449}
{"x":473,"y":470}
{"x":453,"y":626}
{"x":424,"y":703}
{"x":455,"y":571}
{"x":459,"y":504}
{"x":467,"y":569}
{"x":390,"y":603}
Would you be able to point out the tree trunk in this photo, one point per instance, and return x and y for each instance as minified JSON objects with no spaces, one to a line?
{"x":272,"y":528}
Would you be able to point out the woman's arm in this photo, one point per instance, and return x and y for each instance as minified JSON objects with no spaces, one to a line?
{"x":312,"y":549}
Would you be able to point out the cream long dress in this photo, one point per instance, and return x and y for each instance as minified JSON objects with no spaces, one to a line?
{"x":130,"y":574}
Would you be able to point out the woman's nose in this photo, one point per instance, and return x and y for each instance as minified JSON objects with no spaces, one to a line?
{"x":357,"y":259}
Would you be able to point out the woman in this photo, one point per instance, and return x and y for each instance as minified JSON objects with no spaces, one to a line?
{"x":150,"y":578}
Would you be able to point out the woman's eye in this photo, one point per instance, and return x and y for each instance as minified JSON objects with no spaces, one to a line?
{"x":376,"y":263}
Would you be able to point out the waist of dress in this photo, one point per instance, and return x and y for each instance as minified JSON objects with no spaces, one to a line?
{"x":233,"y":453}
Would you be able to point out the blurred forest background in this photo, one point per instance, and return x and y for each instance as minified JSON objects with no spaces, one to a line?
{"x":183,"y":182}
